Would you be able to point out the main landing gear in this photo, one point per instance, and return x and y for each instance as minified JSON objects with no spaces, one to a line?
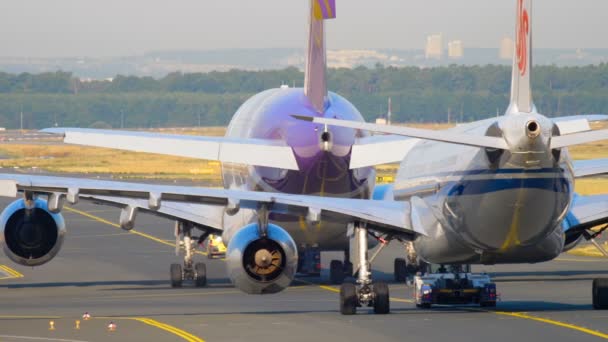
{"x":404,"y":268}
{"x":599,"y":289}
{"x":364,"y":292}
{"x":339,"y":270}
{"x":190,"y":271}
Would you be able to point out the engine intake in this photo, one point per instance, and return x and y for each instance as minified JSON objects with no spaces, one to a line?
{"x":31,"y":235}
{"x":261,"y":265}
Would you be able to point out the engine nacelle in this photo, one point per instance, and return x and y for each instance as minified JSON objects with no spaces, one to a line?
{"x":261,"y":265}
{"x":31,"y":236}
{"x":571,"y":240}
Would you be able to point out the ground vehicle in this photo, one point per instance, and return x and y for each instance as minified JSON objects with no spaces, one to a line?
{"x":454,"y":286}
{"x":215,"y":246}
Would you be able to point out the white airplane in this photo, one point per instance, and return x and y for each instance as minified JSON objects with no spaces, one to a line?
{"x":493,"y":191}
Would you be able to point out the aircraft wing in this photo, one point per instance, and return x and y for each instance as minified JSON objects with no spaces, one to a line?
{"x":260,"y":152}
{"x":384,"y":216}
{"x":208,"y":216}
{"x":592,"y":167}
{"x":587,"y":212}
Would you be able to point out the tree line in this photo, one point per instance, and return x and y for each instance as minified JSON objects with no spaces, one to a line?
{"x":462,"y":93}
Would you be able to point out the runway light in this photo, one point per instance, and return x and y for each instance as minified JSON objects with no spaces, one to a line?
{"x":51,"y":325}
{"x":86,"y":316}
{"x":112,"y":326}
{"x":77,"y":326}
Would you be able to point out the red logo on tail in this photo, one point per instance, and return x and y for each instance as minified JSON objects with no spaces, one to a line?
{"x":522,"y":31}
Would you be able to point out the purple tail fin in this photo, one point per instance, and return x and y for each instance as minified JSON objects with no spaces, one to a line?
{"x":315,"y":83}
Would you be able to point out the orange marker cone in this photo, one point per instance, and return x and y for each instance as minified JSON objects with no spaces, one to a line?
{"x":51,"y":325}
{"x":112,"y":326}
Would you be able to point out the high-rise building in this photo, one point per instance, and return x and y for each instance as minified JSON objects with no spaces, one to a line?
{"x":434,"y":46}
{"x":455,"y":49}
{"x":506,"y":48}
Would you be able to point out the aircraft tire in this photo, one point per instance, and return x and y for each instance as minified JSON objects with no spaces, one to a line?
{"x":336,"y":272}
{"x":200,"y":270}
{"x":600,"y":294}
{"x":400,"y":270}
{"x":348,"y":299}
{"x":176,"y":275}
{"x":381,"y":298}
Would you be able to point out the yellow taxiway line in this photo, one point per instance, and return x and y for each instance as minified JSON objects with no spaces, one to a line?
{"x":148,"y":321}
{"x":333,"y":289}
{"x":552,"y":322}
{"x":169,"y":328}
{"x":521,"y":315}
{"x":12,"y":274}
{"x":132,"y":231}
{"x":159,"y":325}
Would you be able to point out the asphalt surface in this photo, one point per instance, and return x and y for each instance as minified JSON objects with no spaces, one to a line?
{"x":122,"y":277}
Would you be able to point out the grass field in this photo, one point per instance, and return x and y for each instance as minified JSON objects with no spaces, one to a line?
{"x":59,"y":158}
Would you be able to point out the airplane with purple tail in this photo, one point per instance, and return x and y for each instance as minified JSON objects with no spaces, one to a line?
{"x":264,"y":149}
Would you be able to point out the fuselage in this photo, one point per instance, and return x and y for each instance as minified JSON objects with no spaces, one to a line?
{"x":322,"y":153}
{"x":488,"y":206}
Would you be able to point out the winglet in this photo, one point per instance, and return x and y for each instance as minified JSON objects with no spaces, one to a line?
{"x":521,"y":92}
{"x":315,"y":80}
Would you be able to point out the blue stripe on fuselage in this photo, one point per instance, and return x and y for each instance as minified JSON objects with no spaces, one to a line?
{"x":555,"y":170}
{"x":482,"y":186}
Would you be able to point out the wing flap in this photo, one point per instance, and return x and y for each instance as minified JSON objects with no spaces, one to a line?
{"x":260,"y":152}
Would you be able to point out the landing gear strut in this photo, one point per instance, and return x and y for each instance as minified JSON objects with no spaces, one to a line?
{"x":364,"y":293}
{"x":409,"y":266}
{"x":599,"y":289}
{"x":190,"y":270}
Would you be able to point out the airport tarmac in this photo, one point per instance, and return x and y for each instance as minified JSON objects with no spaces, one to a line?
{"x":122,"y":277}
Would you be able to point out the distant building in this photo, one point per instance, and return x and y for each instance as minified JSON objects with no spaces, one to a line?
{"x":506,"y":48}
{"x":381,"y":121}
{"x":455,"y":49}
{"x":386,"y":119}
{"x":434,"y":46}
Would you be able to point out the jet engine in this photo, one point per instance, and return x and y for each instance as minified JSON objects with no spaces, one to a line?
{"x":571,"y":240}
{"x":261,"y":263}
{"x":31,"y":235}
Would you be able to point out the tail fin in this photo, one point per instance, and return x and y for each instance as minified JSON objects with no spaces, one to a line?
{"x":315,"y":83}
{"x":521,"y":93}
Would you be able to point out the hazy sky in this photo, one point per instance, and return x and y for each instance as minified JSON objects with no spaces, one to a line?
{"x":41,"y":28}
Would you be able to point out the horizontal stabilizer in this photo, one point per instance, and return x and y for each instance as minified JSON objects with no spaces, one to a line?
{"x":573,"y":126}
{"x":380,"y":149}
{"x":578,"y":138}
{"x":592,"y":167}
{"x":442,"y":136}
{"x":577,"y":123}
{"x":259,"y":152}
